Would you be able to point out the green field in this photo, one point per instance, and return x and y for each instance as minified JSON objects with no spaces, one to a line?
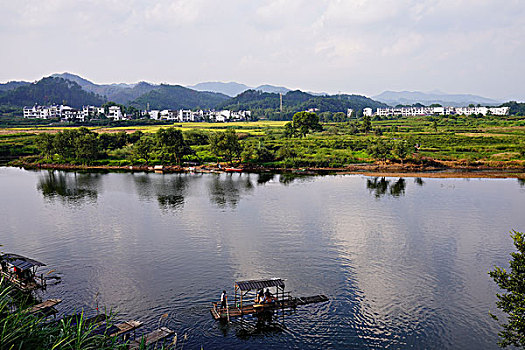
{"x":493,"y":141}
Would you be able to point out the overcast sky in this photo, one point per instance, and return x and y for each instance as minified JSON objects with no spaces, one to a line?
{"x":352,"y":46}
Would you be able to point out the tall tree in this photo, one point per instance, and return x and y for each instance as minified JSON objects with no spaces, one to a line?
{"x":225,"y":144}
{"x":367,"y":124}
{"x":512,"y":301}
{"x":172,"y":144}
{"x":401,"y":149}
{"x":46,"y":144}
{"x":143,"y":148}
{"x":87,"y":147}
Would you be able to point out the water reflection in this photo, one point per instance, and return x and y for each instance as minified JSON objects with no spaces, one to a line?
{"x":381,"y":187}
{"x":170,"y":191}
{"x":225,"y":191}
{"x":289,"y":178}
{"x":419,"y":181}
{"x":264,"y":178}
{"x":521,"y":182}
{"x":73,"y":188}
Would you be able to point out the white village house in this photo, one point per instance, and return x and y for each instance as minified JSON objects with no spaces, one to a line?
{"x":422,"y":111}
{"x":68,"y":113}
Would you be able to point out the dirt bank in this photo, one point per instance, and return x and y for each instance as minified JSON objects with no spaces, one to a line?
{"x":433,"y":169}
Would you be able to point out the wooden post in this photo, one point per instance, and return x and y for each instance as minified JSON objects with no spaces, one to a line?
{"x":235,"y":300}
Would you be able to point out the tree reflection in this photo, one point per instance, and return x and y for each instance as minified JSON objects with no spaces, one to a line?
{"x":288,"y":178}
{"x":169,"y":190}
{"x":225,"y":190}
{"x":69,"y":187}
{"x":381,"y":187}
{"x":521,"y":182}
{"x":264,"y":178}
{"x":419,"y":181}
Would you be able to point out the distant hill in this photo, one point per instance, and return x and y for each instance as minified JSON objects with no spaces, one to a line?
{"x":178,"y":97}
{"x":272,"y":89}
{"x":394,"y":98}
{"x":268,"y":104}
{"x":120,"y":93}
{"x":50,"y":90}
{"x":230,"y":89}
{"x":12,"y":85}
{"x":233,"y":89}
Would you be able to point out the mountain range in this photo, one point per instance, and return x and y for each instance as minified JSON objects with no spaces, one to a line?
{"x":394,"y":98}
{"x":263,"y":100}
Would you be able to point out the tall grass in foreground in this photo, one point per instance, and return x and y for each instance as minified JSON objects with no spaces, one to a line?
{"x":21,"y":331}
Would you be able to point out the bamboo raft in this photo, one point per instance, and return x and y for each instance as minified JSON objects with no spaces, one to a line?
{"x":282,"y":300}
{"x":21,"y":272}
{"x":151,"y":338}
{"x":125,"y":327}
{"x":45,"y":309}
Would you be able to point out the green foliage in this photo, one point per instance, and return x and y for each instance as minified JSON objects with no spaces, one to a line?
{"x":86,"y":146}
{"x":21,"y":330}
{"x":50,"y":91}
{"x":45,"y":144}
{"x":401,"y":149}
{"x":178,"y":97}
{"x":512,"y":301}
{"x":172,"y":145}
{"x":264,"y":104}
{"x":516,"y":108}
{"x":366,"y":124}
{"x":303,"y":123}
{"x":196,"y":137}
{"x":226,"y":145}
{"x":255,"y":151}
{"x":380,"y":149}
{"x":143,"y":147}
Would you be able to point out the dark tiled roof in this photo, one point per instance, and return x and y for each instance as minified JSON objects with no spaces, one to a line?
{"x":259,"y":284}
{"x":20,"y":261}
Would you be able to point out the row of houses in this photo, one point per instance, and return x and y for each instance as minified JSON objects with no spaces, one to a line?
{"x":422,"y":111}
{"x":69,"y":113}
{"x":86,"y":113}
{"x":186,"y":115}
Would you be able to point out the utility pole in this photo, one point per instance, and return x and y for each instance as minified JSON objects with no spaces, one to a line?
{"x":281,"y":103}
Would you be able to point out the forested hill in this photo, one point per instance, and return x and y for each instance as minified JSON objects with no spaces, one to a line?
{"x":178,"y":97}
{"x":11,"y":85}
{"x":50,"y":90}
{"x":268,"y":104}
{"x":119,"y":93}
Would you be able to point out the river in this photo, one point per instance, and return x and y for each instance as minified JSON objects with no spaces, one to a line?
{"x":403,"y":261}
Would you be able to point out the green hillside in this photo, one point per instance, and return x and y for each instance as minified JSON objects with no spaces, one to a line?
{"x":178,"y":97}
{"x":264,"y":104}
{"x":50,"y":91}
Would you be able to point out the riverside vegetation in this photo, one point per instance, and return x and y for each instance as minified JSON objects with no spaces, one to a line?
{"x":317,"y":141}
{"x":22,"y":330}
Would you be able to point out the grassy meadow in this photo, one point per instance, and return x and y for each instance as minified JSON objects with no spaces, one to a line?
{"x":491,"y":141}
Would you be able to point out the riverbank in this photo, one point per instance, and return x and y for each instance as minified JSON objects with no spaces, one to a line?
{"x":427,"y":169}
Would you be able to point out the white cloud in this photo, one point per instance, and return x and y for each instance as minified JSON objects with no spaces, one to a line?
{"x":361,"y":46}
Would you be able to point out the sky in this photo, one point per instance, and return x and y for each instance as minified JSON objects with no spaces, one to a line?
{"x":348,"y":46}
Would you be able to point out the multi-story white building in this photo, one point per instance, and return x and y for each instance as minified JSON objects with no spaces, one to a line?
{"x":92,"y":111}
{"x":422,"y":111}
{"x":115,"y":113}
{"x":42,"y":112}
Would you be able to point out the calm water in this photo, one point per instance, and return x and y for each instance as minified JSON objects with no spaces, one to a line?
{"x":403,"y":261}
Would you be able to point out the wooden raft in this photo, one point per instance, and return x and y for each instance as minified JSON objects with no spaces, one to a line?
{"x":125,"y":327}
{"x":46,"y":308}
{"x":151,"y":338}
{"x":218,"y":313}
{"x":27,"y":286}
